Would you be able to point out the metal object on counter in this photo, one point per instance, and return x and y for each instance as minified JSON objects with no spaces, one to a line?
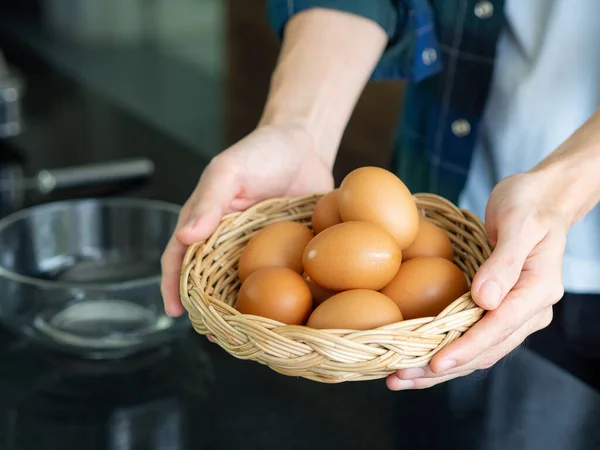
{"x":11,"y":91}
{"x":47,"y":181}
{"x":14,"y":185}
{"x":83,"y":276}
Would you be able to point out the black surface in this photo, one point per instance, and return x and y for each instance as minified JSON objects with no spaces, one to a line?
{"x":194,"y":396}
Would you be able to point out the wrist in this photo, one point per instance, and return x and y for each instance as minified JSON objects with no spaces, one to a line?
{"x":573,"y":171}
{"x":573,"y":184}
{"x":325,"y":61}
{"x":321,"y":136}
{"x":293,"y":135}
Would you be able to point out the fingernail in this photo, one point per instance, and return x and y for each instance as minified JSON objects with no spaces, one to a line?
{"x":446,"y":365}
{"x":490,"y":293}
{"x":410,"y":374}
{"x":399,"y":384}
{"x":191,"y":223}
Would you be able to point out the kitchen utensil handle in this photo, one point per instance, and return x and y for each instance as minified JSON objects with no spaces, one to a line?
{"x":91,"y":174}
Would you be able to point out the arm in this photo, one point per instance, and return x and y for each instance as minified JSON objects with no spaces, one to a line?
{"x":326,"y":59}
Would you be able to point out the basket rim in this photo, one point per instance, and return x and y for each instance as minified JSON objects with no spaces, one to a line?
{"x":273,"y":324}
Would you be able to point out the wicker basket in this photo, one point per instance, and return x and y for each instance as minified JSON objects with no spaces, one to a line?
{"x":209,"y":286}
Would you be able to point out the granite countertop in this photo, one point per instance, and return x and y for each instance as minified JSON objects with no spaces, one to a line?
{"x":192,"y":395}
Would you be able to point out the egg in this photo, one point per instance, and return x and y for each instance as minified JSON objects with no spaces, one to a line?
{"x":280,"y":244}
{"x":352,"y":255}
{"x":277,"y":293}
{"x":358,"y":309}
{"x":319,"y":293}
{"x":431,"y":240}
{"x":373,"y":194}
{"x":326,"y":212}
{"x":425,"y":286}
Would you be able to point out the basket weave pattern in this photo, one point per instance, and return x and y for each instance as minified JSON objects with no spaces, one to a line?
{"x":209,"y":286}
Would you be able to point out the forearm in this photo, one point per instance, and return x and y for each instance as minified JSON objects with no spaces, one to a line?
{"x":574,"y":168}
{"x":326,"y":59}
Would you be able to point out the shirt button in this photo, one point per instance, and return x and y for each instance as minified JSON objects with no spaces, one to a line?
{"x":484,"y":10}
{"x":461,"y":128}
{"x":429,"y":56}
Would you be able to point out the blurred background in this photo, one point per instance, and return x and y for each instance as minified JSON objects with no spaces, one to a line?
{"x":194,"y":70}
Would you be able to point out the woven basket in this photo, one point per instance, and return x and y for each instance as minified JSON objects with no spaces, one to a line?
{"x":209,"y":286}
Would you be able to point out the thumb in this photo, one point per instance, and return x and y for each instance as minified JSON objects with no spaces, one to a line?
{"x":202,"y":221}
{"x":217,"y":188}
{"x":500,"y":272}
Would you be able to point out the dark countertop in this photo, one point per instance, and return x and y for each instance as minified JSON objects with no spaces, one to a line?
{"x":192,"y":395}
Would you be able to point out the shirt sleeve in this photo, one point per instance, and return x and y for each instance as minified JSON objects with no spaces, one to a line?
{"x":391,"y":15}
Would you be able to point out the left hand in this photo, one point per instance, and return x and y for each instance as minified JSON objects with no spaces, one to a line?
{"x":517,"y":285}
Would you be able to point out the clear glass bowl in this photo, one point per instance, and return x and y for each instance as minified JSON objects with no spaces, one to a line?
{"x":83,"y":276}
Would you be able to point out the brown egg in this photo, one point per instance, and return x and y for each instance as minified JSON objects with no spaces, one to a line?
{"x":376,"y":195}
{"x":431,"y":240}
{"x":352,"y":255}
{"x":326,"y":212}
{"x":358,"y":309}
{"x":425,"y":286}
{"x":280,"y":244}
{"x":277,"y":293}
{"x":319,"y":293}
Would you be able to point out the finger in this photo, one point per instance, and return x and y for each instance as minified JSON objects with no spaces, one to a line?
{"x":173,"y":256}
{"x":490,"y":357}
{"x":396,"y":384}
{"x":212,"y":198}
{"x":494,"y":328}
{"x":171,"y":268}
{"x":517,"y":237}
{"x":197,"y":219}
{"x":539,"y":286}
{"x":203,"y":220}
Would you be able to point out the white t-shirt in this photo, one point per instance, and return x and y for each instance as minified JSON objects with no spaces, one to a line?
{"x":546,"y":84}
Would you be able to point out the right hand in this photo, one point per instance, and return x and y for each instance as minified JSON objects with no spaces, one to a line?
{"x":272,"y":161}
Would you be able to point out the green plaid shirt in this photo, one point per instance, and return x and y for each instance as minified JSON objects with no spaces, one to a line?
{"x":445,"y":49}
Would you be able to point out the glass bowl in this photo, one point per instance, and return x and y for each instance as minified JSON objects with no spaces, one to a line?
{"x":83,"y":276}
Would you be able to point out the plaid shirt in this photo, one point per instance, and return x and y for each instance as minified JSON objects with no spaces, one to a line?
{"x":445,"y":49}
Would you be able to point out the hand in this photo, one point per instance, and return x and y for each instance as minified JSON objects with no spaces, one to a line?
{"x":272,"y":161}
{"x":517,"y":285}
